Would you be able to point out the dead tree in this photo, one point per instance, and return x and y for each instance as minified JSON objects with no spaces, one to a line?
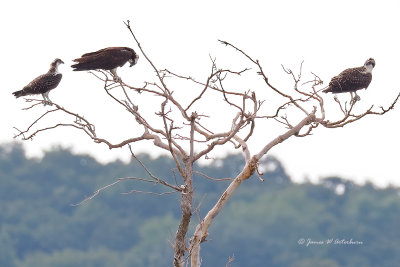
{"x":181,"y":127}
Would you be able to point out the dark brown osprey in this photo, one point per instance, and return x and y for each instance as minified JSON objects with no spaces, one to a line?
{"x":353,"y":79}
{"x":109,"y":58}
{"x":44,"y":83}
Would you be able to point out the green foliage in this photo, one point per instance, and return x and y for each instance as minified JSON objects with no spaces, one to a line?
{"x":260,"y":226}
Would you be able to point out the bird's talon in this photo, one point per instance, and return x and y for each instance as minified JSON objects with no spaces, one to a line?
{"x":355,"y":99}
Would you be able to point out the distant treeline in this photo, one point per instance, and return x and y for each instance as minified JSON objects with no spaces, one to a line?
{"x":272,"y":223}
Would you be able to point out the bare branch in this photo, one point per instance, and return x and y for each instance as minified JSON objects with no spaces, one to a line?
{"x":169,"y":138}
{"x":230,"y":260}
{"x":155,"y":178}
{"x":293,"y":131}
{"x":127,"y":24}
{"x":149,"y":193}
{"x":251,"y":165}
{"x":210,"y":178}
{"x":95,"y":193}
{"x":261,"y":72}
{"x":80,"y":123}
{"x":350,"y":118}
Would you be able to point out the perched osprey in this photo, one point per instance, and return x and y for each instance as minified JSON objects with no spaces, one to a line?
{"x":107,"y":59}
{"x":44,"y":83}
{"x":351,"y":80}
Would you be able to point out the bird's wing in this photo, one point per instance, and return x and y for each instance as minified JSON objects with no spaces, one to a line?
{"x":356,"y":78}
{"x":43,"y":83}
{"x":94,"y":53}
{"x":109,"y":49}
{"x":350,"y":80}
{"x":107,"y":58}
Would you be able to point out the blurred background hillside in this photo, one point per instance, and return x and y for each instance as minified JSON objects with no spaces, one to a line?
{"x":262,"y":225}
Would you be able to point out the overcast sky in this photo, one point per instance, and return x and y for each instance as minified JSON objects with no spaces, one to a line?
{"x":181,"y":35}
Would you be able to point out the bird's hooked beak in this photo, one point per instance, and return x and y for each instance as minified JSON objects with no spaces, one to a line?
{"x":133,"y":61}
{"x":58,"y":62}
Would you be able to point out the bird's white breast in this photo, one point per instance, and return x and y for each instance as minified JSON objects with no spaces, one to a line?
{"x":368,"y":68}
{"x":56,"y":71}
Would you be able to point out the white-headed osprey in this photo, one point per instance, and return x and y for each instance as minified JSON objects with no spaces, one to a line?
{"x":109,"y":58}
{"x":44,"y":83}
{"x":351,"y":80}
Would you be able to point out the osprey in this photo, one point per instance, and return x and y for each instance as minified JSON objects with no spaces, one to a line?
{"x":44,"y":83}
{"x":351,"y":80}
{"x":107,"y":59}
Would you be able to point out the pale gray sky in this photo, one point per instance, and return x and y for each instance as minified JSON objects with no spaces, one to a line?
{"x":180,"y":35}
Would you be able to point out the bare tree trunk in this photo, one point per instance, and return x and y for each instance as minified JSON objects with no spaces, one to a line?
{"x":186,"y":207}
{"x":201,"y":231}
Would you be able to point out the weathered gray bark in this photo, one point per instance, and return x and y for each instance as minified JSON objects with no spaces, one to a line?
{"x":186,"y":208}
{"x":201,"y":231}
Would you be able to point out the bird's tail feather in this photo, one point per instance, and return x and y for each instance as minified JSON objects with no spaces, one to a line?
{"x":327,"y":90}
{"x":19,"y":93}
{"x":83,"y":66}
